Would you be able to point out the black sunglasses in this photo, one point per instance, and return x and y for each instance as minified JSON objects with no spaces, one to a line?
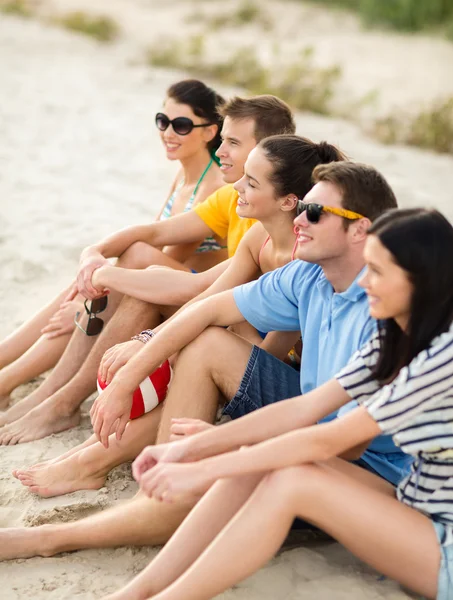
{"x":181,"y":125}
{"x":94,"y":324}
{"x":314,"y":211}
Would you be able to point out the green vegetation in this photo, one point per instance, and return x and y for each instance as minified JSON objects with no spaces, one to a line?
{"x":406,"y":15}
{"x":103,"y":29}
{"x":247,"y":12}
{"x":431,"y":128}
{"x":300,"y":83}
{"x":15,"y":7}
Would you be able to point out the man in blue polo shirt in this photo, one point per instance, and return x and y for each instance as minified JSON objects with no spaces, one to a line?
{"x":318,"y":296}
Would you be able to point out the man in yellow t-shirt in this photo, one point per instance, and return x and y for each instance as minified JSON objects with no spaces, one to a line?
{"x":246,"y":122}
{"x":218,"y":212}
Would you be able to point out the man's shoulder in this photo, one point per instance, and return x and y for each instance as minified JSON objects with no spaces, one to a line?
{"x":300,"y":270}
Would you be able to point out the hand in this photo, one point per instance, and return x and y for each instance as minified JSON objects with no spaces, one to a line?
{"x":166,"y":481}
{"x":110,"y":412}
{"x":98,"y":273}
{"x":181,"y":428}
{"x":87,"y":267}
{"x":63,"y":320}
{"x":152,"y":455}
{"x":116,"y":357}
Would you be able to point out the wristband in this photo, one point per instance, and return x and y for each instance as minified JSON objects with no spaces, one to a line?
{"x":144,"y":336}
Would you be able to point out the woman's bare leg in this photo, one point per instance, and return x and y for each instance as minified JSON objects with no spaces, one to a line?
{"x":366,"y":518}
{"x":198,"y":530}
{"x":23,"y":338}
{"x":42,"y":356}
{"x":88,"y":467}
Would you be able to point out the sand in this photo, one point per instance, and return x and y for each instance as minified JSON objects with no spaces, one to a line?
{"x":78,"y":159}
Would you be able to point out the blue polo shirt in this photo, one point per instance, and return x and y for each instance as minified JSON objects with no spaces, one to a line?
{"x":333,"y":327}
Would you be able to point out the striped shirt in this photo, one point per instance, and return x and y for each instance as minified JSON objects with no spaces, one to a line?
{"x":416,"y":408}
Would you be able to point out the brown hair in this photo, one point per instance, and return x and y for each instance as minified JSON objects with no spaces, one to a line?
{"x":271,"y":115}
{"x":203,"y":100}
{"x":293,"y":159}
{"x":364,"y":190}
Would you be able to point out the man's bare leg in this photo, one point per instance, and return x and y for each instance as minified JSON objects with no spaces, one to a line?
{"x":213,"y":364}
{"x":88,"y":467}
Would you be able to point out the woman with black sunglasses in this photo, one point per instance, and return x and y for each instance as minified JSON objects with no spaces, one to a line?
{"x":277,"y":174}
{"x":189,"y":127}
{"x":403,"y":381}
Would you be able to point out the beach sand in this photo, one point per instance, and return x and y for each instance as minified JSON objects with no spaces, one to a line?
{"x":79,"y":159}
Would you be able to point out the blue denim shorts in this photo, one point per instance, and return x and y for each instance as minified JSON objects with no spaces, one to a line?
{"x":445,"y":579}
{"x":266,"y":380}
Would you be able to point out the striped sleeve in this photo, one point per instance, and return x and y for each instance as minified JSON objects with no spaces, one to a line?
{"x":356,"y":378}
{"x":421,"y":389}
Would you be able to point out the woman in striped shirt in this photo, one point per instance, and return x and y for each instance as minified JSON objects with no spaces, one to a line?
{"x":286,"y":468}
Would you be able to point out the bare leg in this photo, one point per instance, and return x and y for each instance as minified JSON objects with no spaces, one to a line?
{"x":212,"y":513}
{"x":123,"y":525}
{"x":366,"y":518}
{"x":27,"y":334}
{"x":209,"y":368}
{"x":42,"y":356}
{"x":89,"y":466}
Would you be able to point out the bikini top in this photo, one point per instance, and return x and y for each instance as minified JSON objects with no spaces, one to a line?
{"x":293,"y":253}
{"x":209,"y":243}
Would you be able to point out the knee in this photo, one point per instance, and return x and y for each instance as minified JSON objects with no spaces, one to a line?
{"x":137,"y":256}
{"x":206,"y":344}
{"x":296,"y":486}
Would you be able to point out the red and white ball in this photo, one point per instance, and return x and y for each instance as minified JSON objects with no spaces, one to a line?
{"x":150,"y":393}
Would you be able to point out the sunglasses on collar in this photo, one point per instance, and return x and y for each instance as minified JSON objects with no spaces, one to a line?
{"x":181,"y":125}
{"x":314,"y":211}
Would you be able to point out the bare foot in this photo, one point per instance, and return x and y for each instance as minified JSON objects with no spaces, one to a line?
{"x":52,"y":461}
{"x":63,"y":477}
{"x":40,"y":422}
{"x":25,"y":542}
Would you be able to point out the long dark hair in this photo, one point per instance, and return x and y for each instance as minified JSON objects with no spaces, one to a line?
{"x":421,"y":242}
{"x":293,"y":159}
{"x":203,"y":100}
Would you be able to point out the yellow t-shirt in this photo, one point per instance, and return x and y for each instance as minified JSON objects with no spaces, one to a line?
{"x":218,"y":211}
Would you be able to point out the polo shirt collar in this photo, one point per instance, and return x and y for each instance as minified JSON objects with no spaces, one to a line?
{"x":354,"y":292}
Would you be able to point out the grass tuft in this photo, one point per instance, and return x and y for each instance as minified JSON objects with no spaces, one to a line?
{"x":16,"y":7}
{"x":103,"y":29}
{"x":300,"y":83}
{"x":431,"y":129}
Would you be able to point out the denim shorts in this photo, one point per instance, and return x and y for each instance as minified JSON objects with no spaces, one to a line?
{"x":266,"y":380}
{"x":445,"y":579}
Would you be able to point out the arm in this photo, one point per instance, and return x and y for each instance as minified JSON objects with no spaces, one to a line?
{"x":312,"y":444}
{"x":268,"y":422}
{"x":110,"y":411}
{"x":279,"y":343}
{"x":181,"y":229}
{"x":315,"y":443}
{"x":158,"y":285}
